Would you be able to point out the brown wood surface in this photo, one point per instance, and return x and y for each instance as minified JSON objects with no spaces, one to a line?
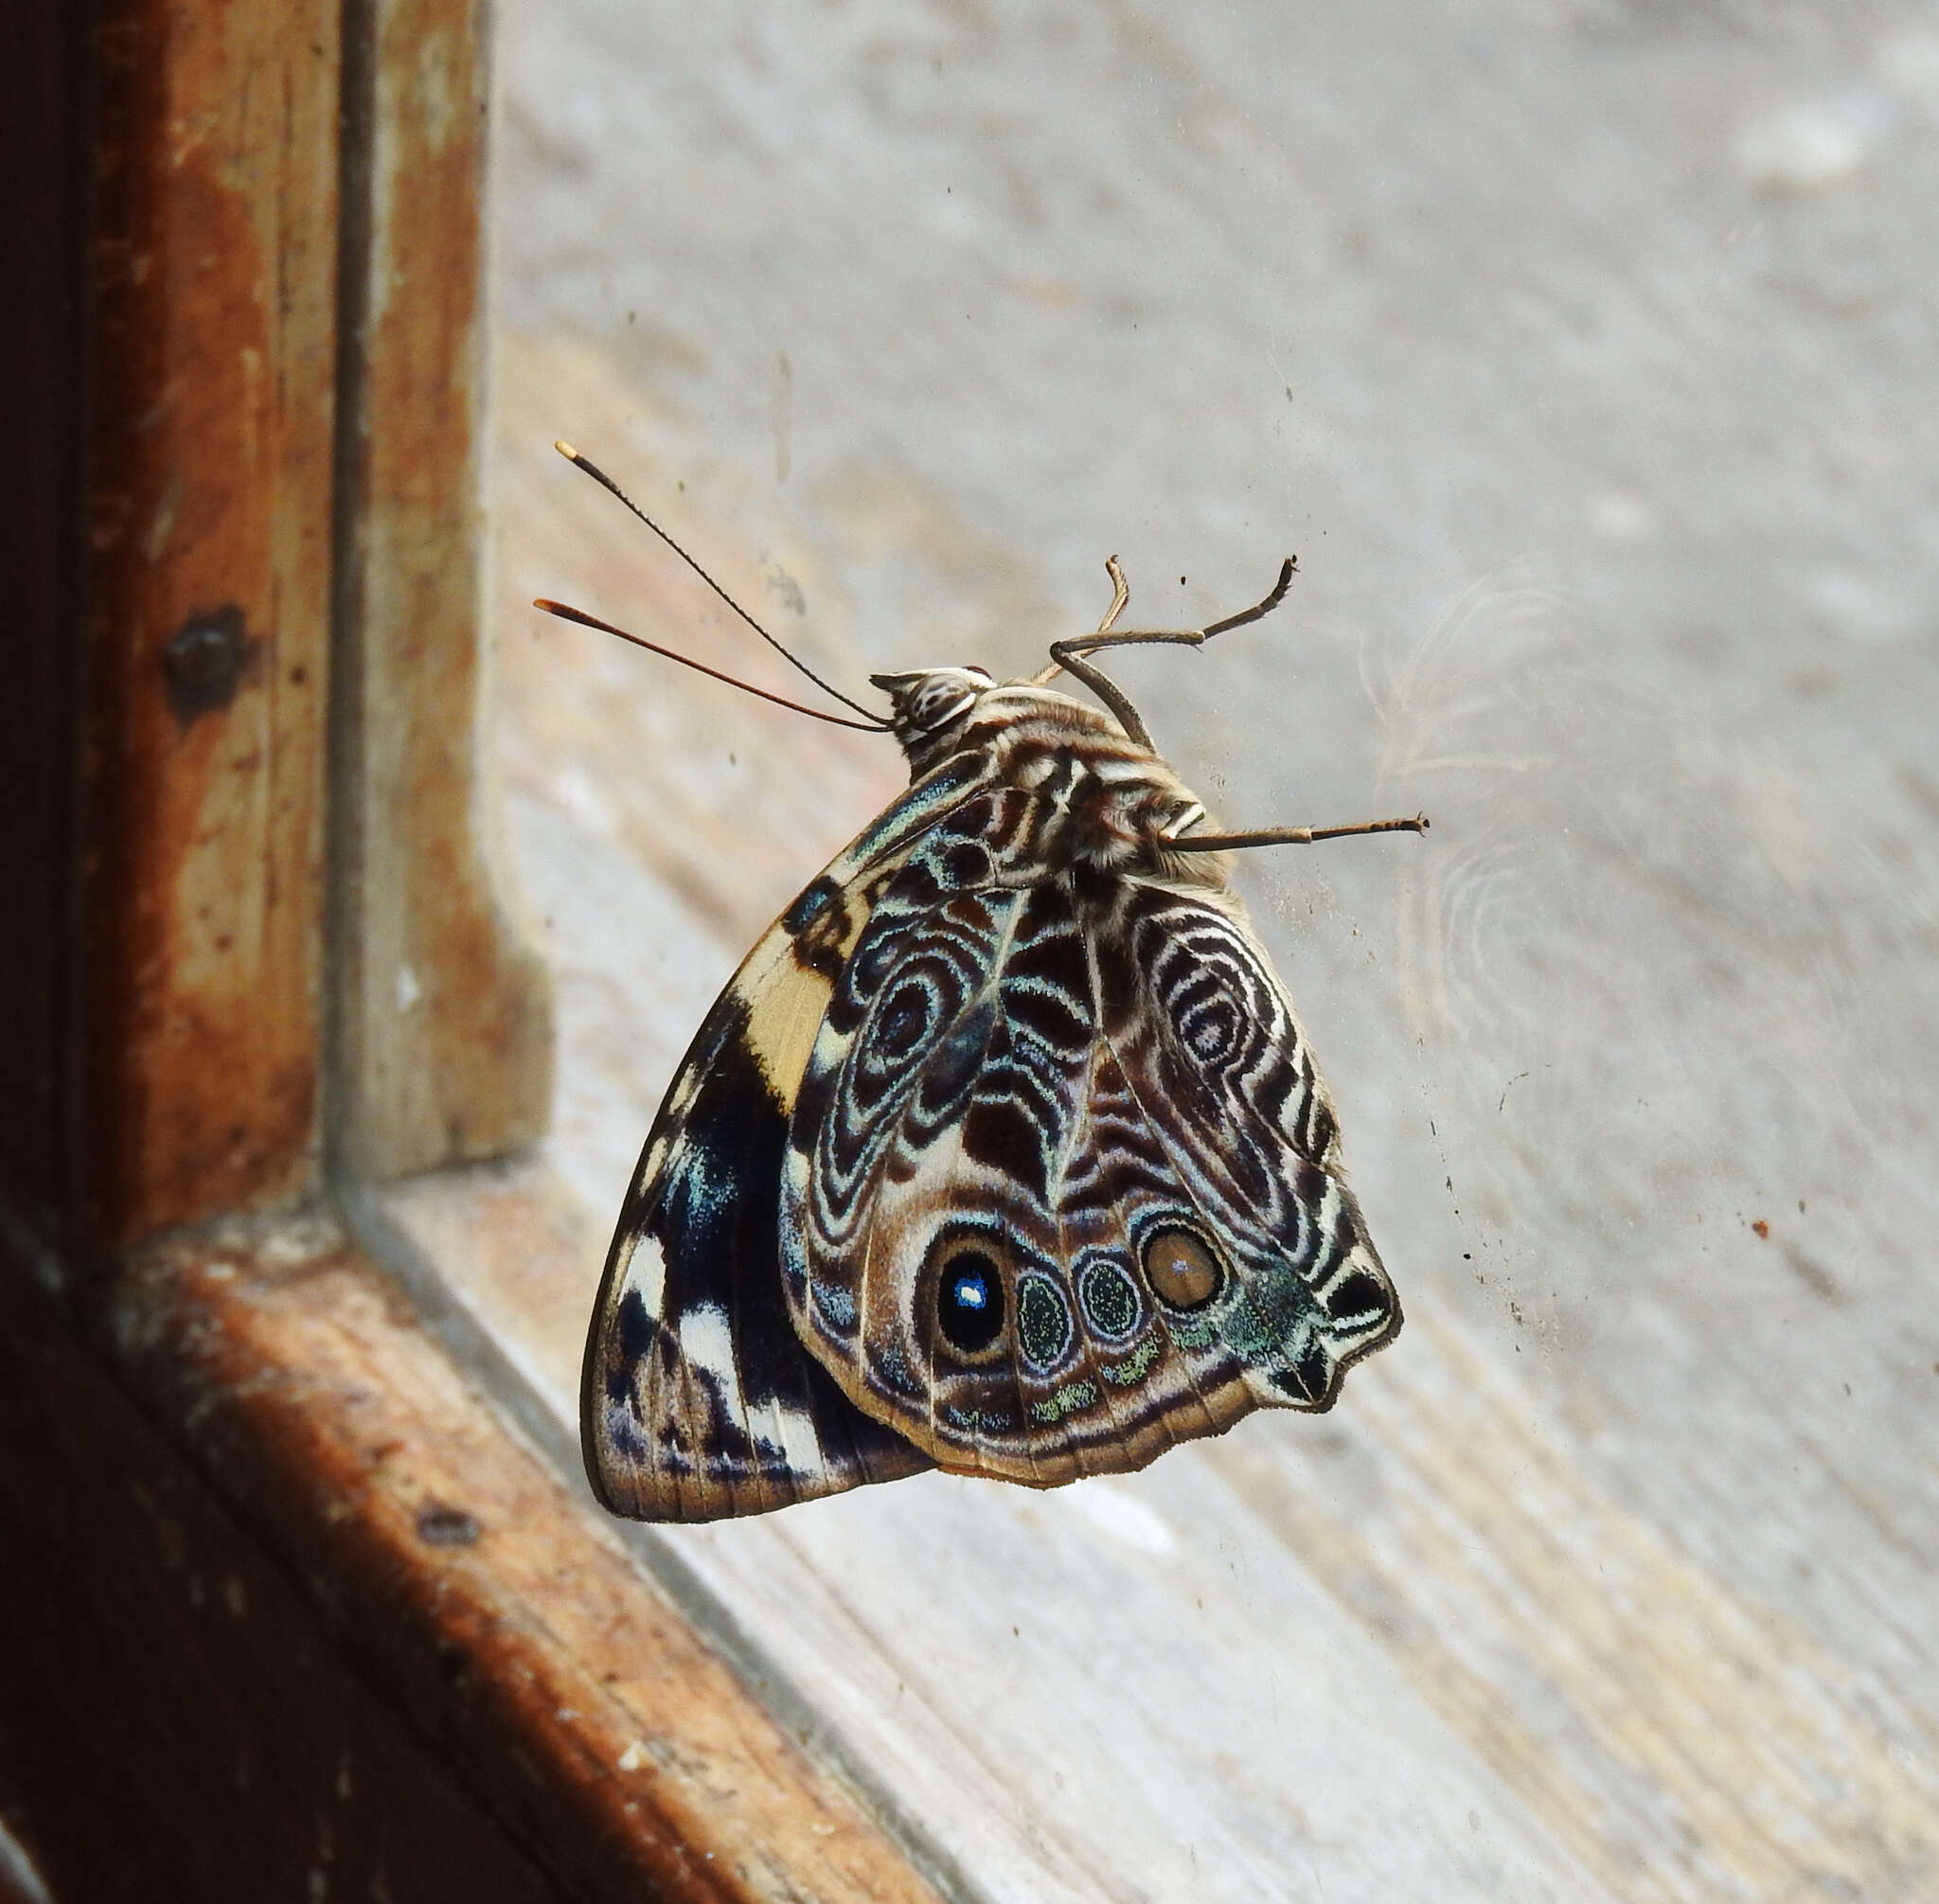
{"x":206,"y":633}
{"x":446,"y":1030}
{"x":313,"y":1618}
{"x":180,"y":1718}
{"x":248,"y":468}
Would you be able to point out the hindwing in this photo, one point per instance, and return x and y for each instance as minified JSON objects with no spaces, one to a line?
{"x":1061,"y":1184}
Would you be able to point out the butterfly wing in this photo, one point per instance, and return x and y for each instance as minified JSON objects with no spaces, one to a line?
{"x":1062,"y":1185}
{"x":699,"y":1401}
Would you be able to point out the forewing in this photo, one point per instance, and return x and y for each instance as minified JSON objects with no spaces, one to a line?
{"x":1091,"y":1094}
{"x":699,"y":1401}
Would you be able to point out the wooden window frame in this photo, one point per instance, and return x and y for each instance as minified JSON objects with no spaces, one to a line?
{"x":291,"y":1604}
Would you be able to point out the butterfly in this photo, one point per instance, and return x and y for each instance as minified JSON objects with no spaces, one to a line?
{"x":1003,"y":1152}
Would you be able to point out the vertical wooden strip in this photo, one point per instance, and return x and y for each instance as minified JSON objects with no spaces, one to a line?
{"x":209,"y":526}
{"x":444,"y":1044}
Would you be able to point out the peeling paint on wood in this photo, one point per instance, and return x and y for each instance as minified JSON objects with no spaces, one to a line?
{"x":213,"y":351}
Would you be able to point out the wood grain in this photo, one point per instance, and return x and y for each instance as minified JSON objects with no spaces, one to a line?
{"x":213,"y":347}
{"x":251,"y":473}
{"x":158,"y":1652}
{"x":445,"y":1032}
{"x":313,"y":1573}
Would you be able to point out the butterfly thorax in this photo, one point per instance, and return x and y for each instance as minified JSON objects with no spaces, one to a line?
{"x":1110,"y":803}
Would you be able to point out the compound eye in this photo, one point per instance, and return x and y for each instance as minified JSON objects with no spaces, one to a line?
{"x":941,"y":706}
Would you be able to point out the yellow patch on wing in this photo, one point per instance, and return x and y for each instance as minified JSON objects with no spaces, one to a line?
{"x":784,"y":987}
{"x":782,"y":1020}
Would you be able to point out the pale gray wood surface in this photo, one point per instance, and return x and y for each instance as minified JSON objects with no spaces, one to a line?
{"x":1585,"y":354}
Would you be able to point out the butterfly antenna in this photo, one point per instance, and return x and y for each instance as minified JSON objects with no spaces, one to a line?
{"x":605,"y":482}
{"x":585,"y":620}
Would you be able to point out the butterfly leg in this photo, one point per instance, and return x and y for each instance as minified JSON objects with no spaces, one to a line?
{"x":1120,"y":594}
{"x":1194,"y":636}
{"x":1071,"y":656}
{"x":1292,"y":836}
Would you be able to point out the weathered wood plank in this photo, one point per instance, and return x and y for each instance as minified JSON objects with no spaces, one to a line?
{"x":445,"y":1030}
{"x":179,"y":560}
{"x":180,"y":1716}
{"x":366,"y":1609}
{"x":213,"y":347}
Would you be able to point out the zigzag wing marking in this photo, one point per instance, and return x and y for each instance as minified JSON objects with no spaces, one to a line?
{"x":1221,"y":1067}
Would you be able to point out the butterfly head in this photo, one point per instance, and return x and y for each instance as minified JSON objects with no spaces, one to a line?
{"x":929,"y":706}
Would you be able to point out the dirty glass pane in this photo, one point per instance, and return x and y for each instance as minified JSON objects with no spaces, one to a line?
{"x":1584,"y":354}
